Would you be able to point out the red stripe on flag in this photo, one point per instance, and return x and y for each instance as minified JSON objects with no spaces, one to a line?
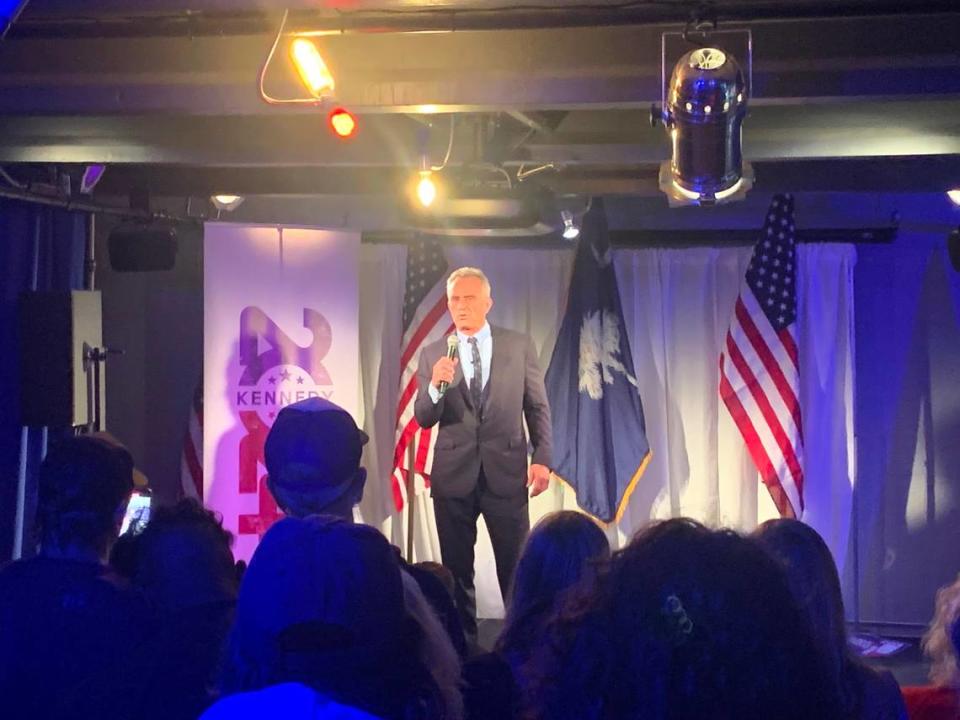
{"x":406,"y":396}
{"x":766,"y":409}
{"x":754,"y":446}
{"x":423,"y":449}
{"x":436,"y":312}
{"x":401,"y":448}
{"x":791,"y":346}
{"x":769,"y":361}
{"x":395,"y":487}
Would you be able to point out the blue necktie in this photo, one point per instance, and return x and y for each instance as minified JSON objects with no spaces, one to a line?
{"x":476,"y":382}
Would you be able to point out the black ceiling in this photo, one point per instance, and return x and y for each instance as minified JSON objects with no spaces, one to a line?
{"x":852,"y":95}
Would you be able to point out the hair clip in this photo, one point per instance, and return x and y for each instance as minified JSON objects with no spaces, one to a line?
{"x":676,"y":615}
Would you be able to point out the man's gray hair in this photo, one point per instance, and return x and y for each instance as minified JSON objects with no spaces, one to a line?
{"x":467,"y":272}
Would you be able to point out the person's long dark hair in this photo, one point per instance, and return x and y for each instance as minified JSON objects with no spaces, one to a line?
{"x":684,"y":623}
{"x":563,"y":548}
{"x":815,"y":584}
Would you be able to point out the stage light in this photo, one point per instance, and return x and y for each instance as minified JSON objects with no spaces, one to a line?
{"x":704,"y":113}
{"x":571,"y":230}
{"x":91,"y":176}
{"x":226,"y":203}
{"x":343,"y":123}
{"x":426,"y":189}
{"x":954,"y":195}
{"x":313,"y":71}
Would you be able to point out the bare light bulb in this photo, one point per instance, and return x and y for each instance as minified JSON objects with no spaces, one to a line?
{"x":426,"y":189}
{"x":570,"y":229}
{"x":314,"y":73}
{"x":226,"y":202}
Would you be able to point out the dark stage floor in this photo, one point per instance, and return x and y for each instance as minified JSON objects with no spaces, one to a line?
{"x":907,"y":665}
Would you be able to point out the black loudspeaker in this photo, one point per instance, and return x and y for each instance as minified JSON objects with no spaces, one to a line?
{"x":56,"y":330}
{"x":141,"y":248}
{"x":953,"y":247}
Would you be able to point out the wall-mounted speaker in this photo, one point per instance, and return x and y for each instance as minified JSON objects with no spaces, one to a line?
{"x":142,"y":248}
{"x":56,"y":331}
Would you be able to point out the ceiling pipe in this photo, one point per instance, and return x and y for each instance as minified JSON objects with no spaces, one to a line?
{"x":97,"y":208}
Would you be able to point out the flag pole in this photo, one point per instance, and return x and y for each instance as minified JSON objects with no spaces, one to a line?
{"x":411,"y":493}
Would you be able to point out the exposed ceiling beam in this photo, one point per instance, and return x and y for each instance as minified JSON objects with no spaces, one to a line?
{"x":614,"y":138}
{"x":909,"y":174}
{"x":193,"y":17}
{"x":520,"y":70}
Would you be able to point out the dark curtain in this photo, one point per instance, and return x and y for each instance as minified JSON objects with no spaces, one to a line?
{"x":53,"y":240}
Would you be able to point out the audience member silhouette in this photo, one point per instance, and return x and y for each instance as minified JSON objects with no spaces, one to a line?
{"x":435,"y":649}
{"x":322,"y":605}
{"x":941,"y":699}
{"x":440,"y":572}
{"x":684,"y":623}
{"x":185,"y":569}
{"x":67,"y":623}
{"x":561,"y":549}
{"x":865,"y":694}
{"x":312,"y":454}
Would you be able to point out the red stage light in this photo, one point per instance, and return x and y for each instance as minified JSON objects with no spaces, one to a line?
{"x":343,"y":123}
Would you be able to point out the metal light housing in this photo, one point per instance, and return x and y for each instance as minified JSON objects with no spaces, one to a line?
{"x":705,"y":105}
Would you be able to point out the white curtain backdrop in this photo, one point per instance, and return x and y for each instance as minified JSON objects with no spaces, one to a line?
{"x":677,"y":305}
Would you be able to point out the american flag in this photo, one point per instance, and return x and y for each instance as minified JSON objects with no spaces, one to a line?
{"x":424,"y":321}
{"x":191,"y":459}
{"x":759,"y":362}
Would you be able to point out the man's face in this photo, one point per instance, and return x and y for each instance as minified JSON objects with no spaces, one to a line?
{"x":469,"y":304}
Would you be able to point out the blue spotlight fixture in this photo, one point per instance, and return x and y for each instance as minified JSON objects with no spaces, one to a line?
{"x":702,"y":108}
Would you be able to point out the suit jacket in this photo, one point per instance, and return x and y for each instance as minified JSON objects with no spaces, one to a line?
{"x":493,"y":439}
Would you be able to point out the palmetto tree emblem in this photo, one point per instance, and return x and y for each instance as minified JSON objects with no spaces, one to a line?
{"x":600,"y":353}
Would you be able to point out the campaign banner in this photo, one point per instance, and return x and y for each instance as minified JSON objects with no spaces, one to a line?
{"x":281,"y":324}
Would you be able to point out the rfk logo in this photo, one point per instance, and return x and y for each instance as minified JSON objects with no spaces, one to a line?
{"x":282,"y":373}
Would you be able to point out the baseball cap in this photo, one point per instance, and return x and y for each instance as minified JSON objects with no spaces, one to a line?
{"x":313,"y":446}
{"x":84,"y":476}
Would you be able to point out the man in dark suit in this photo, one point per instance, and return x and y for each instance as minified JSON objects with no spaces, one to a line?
{"x":480,"y":456}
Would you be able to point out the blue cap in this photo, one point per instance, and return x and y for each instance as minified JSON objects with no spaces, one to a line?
{"x":313,"y":445}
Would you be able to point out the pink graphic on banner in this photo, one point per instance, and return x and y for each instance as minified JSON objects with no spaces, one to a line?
{"x":283,"y":373}
{"x":281,"y":319}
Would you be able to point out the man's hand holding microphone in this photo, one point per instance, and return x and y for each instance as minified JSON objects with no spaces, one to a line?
{"x":445,"y":367}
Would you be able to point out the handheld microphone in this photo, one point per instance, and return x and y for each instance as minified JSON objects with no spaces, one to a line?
{"x":452,"y":345}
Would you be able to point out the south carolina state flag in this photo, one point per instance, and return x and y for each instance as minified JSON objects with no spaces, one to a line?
{"x":599,"y":435}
